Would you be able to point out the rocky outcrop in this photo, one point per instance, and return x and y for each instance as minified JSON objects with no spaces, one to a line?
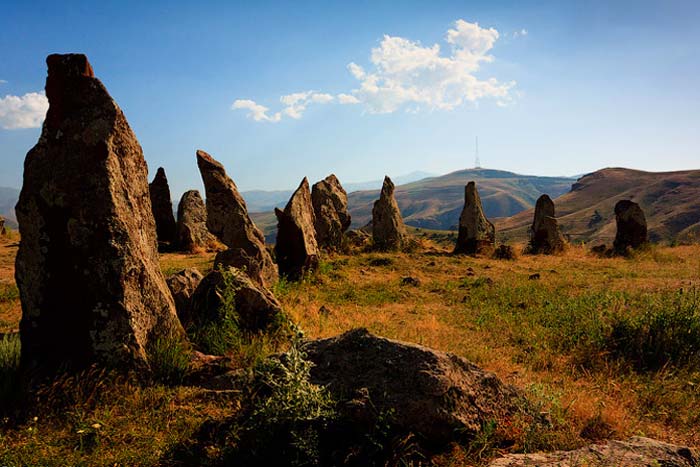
{"x":192,"y":233}
{"x":388,"y":230}
{"x":228,"y":219}
{"x":635,"y":452}
{"x":434,"y":395}
{"x":330,"y":204}
{"x":255,"y":306}
{"x":182,"y":285}
{"x":631,"y":226}
{"x":476,"y":233}
{"x":162,"y":207}
{"x":296,"y":248}
{"x":87,"y":268}
{"x":545,"y":236}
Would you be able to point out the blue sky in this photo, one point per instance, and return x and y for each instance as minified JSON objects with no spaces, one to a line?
{"x":549,"y":87}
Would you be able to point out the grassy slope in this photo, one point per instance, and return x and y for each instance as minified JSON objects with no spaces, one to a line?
{"x":536,"y":334}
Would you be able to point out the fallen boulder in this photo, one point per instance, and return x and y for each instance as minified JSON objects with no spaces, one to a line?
{"x":182,"y":285}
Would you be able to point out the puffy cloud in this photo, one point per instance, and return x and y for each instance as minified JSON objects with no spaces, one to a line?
{"x":27,"y":111}
{"x":404,"y":74}
{"x":256,"y":111}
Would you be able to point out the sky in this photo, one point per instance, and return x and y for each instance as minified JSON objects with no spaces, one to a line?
{"x":281,"y":90}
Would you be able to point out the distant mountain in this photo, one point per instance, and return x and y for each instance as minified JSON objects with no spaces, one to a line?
{"x":8,"y":199}
{"x":670,"y":201}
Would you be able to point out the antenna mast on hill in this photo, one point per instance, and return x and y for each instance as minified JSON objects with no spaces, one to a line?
{"x":477,"y":162}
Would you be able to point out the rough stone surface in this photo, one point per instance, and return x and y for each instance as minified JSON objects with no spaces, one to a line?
{"x":545,"y":236}
{"x":432,"y":394}
{"x":331,"y":210}
{"x":255,"y":305}
{"x":228,"y":219}
{"x":634,"y":452}
{"x":631,"y":226}
{"x":182,"y":285}
{"x":388,"y":230}
{"x":296,"y":248}
{"x":162,"y":206}
{"x":2,"y":226}
{"x":476,"y":233}
{"x":87,"y":267}
{"x":192,"y":233}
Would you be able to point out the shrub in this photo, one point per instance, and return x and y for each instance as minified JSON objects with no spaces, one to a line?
{"x":169,"y":358}
{"x":9,"y":370}
{"x":504,"y":252}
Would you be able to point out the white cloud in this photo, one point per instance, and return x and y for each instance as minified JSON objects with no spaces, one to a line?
{"x":2,"y":81}
{"x":27,"y":111}
{"x":406,"y":75}
{"x":522,"y":32}
{"x":256,"y":111}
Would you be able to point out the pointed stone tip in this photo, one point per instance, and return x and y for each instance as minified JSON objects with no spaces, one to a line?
{"x":160,"y":172}
{"x":69,"y":65}
{"x":204,"y":160}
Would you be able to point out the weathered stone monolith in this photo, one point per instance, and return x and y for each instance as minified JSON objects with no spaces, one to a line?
{"x":228,"y":219}
{"x":331,"y":210}
{"x":476,"y":233}
{"x":631,"y":226}
{"x":296,"y":248}
{"x":191,"y":232}
{"x":162,"y":207}
{"x":87,"y":268}
{"x":388,"y":229}
{"x":545,"y":236}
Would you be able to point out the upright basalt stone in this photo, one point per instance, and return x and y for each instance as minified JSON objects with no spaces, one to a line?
{"x":296,"y":248}
{"x":631,"y":226}
{"x":87,"y":268}
{"x":191,"y":232}
{"x":388,"y":230}
{"x":330,"y":202}
{"x":476,"y":233}
{"x":162,"y":207}
{"x":545,"y":236}
{"x":228,"y":219}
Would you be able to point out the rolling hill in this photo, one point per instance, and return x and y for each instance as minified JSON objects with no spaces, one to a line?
{"x":670,"y":200}
{"x":8,"y":199}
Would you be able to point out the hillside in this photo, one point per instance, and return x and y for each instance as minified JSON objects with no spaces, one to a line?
{"x":670,"y":200}
{"x":8,"y":199}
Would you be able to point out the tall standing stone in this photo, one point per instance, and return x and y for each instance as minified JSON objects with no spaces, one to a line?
{"x":296,"y":247}
{"x":228,"y":219}
{"x":476,"y":233}
{"x":162,"y":207}
{"x":631,"y":226}
{"x":2,"y":226}
{"x":388,"y":229}
{"x":191,"y":232}
{"x":545,"y":236}
{"x":330,"y":202}
{"x":87,"y":268}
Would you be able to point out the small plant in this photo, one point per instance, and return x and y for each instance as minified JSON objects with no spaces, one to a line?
{"x":169,"y":358}
{"x":9,"y":370}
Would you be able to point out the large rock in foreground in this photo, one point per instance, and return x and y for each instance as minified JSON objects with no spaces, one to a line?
{"x":192,"y":233}
{"x":476,"y":233}
{"x":545,"y":236}
{"x":87,"y":267}
{"x":182,"y":285}
{"x":631,"y":226}
{"x":434,"y":395}
{"x":296,"y":248}
{"x":635,"y":452}
{"x":388,"y":229}
{"x":228,"y":219}
{"x":330,"y":203}
{"x":162,"y":207}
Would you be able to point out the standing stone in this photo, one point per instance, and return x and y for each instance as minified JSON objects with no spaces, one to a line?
{"x":631,"y":226}
{"x":162,"y":207}
{"x":87,"y":268}
{"x":227,"y":218}
{"x":191,"y":232}
{"x":545,"y":236}
{"x":2,"y":226}
{"x":388,"y":230}
{"x":476,"y":233}
{"x":296,"y":248}
{"x":331,"y":210}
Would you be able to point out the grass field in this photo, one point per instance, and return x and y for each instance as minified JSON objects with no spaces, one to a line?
{"x":608,"y":347}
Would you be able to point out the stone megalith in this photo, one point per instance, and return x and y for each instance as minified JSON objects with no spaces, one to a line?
{"x":191,"y":232}
{"x":87,"y":268}
{"x":162,"y":207}
{"x":388,"y":230}
{"x":476,"y":233}
{"x":296,"y":248}
{"x":228,"y":219}
{"x":545,"y":236}
{"x":631,"y":226}
{"x":330,"y":203}
{"x":2,"y":226}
